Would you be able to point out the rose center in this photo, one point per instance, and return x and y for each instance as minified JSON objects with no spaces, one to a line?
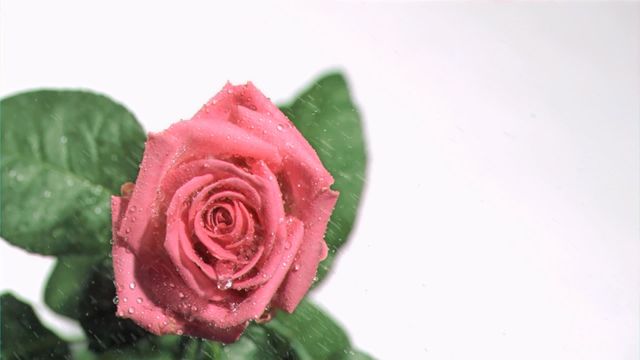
{"x":222,"y":217}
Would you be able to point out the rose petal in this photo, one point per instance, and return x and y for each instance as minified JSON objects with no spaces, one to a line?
{"x":254,"y":305}
{"x":124,"y":262}
{"x":165,"y":150}
{"x":298,"y":282}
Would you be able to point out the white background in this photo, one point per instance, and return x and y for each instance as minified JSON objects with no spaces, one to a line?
{"x":501,"y":213}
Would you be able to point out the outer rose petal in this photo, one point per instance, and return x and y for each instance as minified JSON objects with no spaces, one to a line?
{"x":137,"y":305}
{"x":314,"y":250}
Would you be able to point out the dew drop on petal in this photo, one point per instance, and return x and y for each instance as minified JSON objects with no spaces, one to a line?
{"x":280,"y":127}
{"x":181,"y":295}
{"x":296,"y":267}
{"x":132,"y":285}
{"x":139,"y":300}
{"x":131,"y":310}
{"x":224,"y":284}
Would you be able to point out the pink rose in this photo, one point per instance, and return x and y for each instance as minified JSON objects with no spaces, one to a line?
{"x":225,"y":222}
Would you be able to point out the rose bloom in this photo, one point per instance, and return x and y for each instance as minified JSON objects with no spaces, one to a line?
{"x":225,"y":222}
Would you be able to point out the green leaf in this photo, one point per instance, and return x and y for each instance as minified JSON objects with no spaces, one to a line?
{"x":24,"y":337}
{"x":105,"y":331}
{"x":66,"y":284}
{"x":327,"y":117}
{"x":152,"y":348}
{"x":307,"y":334}
{"x":312,"y":333}
{"x":63,"y":154}
{"x":351,"y":355}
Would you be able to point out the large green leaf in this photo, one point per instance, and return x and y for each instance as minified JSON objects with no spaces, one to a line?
{"x":327,"y":117}
{"x":63,"y":154}
{"x":66,"y":284}
{"x":307,"y":334}
{"x":310,"y":332}
{"x":24,"y":337}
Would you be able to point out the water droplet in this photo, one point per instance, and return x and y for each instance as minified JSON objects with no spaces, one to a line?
{"x":172,"y":285}
{"x":287,"y":245}
{"x":234,"y":307}
{"x":131,"y":310}
{"x":179,"y":332}
{"x":194,"y":308}
{"x":181,"y":295}
{"x":280,"y":127}
{"x":139,"y":300}
{"x":63,"y":139}
{"x":124,"y":299}
{"x":132,"y":208}
{"x":127,"y":230}
{"x":296,"y":267}
{"x":115,"y":300}
{"x":132,"y":285}
{"x":225,"y":284}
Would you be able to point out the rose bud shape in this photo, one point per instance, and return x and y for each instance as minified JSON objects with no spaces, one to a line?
{"x":224,"y":223}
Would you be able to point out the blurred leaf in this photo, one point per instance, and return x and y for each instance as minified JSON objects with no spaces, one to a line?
{"x":152,"y":348}
{"x":66,"y":284}
{"x":63,"y":154}
{"x":204,"y":350}
{"x":350,"y":355}
{"x":24,"y":337}
{"x":105,"y":331}
{"x":312,"y":333}
{"x":307,"y":334}
{"x":328,"y":119}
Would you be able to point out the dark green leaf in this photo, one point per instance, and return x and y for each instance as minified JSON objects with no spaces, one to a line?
{"x":66,"y":284}
{"x":152,"y":348}
{"x":98,"y":318}
{"x":350,"y":355}
{"x":312,"y":333}
{"x":260,"y":343}
{"x":328,"y":119}
{"x":307,"y":334}
{"x":63,"y":154}
{"x":24,"y":337}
